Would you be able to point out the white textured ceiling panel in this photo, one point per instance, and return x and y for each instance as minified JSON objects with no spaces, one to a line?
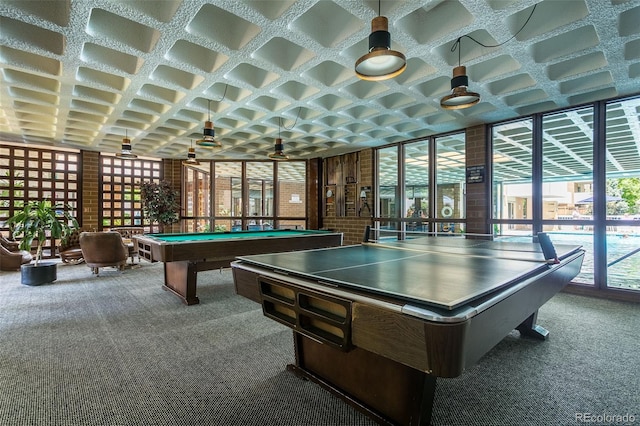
{"x":81,"y":74}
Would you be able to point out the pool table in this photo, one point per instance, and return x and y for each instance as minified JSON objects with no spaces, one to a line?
{"x":184,"y":255}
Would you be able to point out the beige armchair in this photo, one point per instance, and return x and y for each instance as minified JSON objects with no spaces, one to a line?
{"x":11,"y":257}
{"x":103,"y":249}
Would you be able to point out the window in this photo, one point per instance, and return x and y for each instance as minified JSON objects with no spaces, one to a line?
{"x":512,"y":171}
{"x":622,"y":198}
{"x":120,"y":200}
{"x":567,"y":181}
{"x":260,"y":193}
{"x":416,"y":188}
{"x":196,"y":192}
{"x":450,"y":182}
{"x":579,"y":181}
{"x":227,"y":189}
{"x":390,"y":205}
{"x":244,"y":195}
{"x":414,"y":207}
{"x":30,"y":174}
{"x":292,"y":194}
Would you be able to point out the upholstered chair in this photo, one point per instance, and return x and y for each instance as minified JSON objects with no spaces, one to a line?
{"x":11,"y":257}
{"x":11,"y":260}
{"x":70,"y":251}
{"x":103,"y":249}
{"x":128,"y":231}
{"x":129,"y":236}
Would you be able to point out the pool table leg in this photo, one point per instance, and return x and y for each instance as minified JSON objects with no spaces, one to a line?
{"x":529,"y":328}
{"x":180,"y":279}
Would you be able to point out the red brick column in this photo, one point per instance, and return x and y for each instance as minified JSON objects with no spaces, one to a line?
{"x":478,"y":202}
{"x":90,"y":186}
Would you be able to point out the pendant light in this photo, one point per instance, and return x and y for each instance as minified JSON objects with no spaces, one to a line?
{"x":278,"y":150}
{"x":460,"y":97}
{"x":125,"y":152}
{"x":191,"y":157}
{"x":208,"y":133}
{"x":380,"y":63}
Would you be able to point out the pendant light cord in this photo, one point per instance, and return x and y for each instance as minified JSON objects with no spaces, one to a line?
{"x":456,"y":44}
{"x":220,"y":100}
{"x":292,"y":126}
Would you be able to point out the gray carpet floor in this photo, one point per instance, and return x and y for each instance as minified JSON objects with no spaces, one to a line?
{"x":118,"y":350}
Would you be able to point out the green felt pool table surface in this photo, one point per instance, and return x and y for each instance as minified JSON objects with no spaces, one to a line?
{"x":208,"y":236}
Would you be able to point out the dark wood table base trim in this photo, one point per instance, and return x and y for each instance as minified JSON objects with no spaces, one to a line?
{"x":401,"y":394}
{"x":180,"y":278}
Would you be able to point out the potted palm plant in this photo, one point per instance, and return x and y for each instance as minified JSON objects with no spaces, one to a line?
{"x":32,"y":223}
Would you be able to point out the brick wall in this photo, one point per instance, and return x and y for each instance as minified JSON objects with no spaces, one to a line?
{"x":478,"y":202}
{"x":287,"y":207}
{"x":353,"y":227}
{"x":90,"y":187}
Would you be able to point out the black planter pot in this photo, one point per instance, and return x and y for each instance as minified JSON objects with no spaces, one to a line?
{"x":36,"y":275}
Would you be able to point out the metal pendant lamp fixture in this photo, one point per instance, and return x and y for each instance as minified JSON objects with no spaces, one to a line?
{"x":191,"y":157}
{"x":460,"y":97}
{"x":208,"y":134}
{"x":125,"y":152}
{"x":380,"y":63}
{"x":278,"y":150}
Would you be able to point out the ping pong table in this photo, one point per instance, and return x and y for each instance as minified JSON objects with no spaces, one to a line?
{"x":377,"y":323}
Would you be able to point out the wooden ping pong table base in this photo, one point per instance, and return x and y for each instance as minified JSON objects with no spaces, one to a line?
{"x":363,"y":379}
{"x":387,"y":391}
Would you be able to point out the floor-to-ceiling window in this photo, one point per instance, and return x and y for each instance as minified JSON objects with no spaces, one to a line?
{"x":407,"y":202}
{"x":243,"y":195}
{"x":567,"y":182}
{"x":259,"y":177}
{"x":390,"y":206}
{"x":450,"y":183}
{"x":622,"y":197}
{"x":574,"y":174}
{"x":416,"y":185}
{"x":512,"y":173}
{"x":228,"y":207}
{"x":196,"y":193}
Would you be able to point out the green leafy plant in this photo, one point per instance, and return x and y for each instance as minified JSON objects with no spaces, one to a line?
{"x":38,"y":218}
{"x":161,"y":202}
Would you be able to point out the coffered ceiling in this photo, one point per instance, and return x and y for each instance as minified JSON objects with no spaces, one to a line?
{"x":82,"y":74}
